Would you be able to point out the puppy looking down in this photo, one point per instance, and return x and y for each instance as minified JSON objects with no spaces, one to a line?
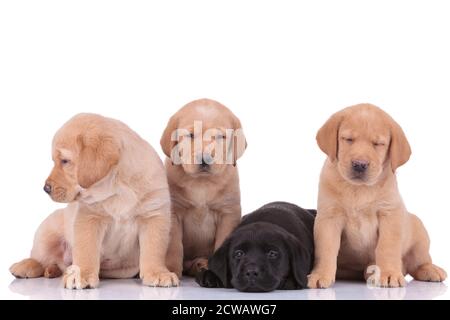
{"x":117,"y":222}
{"x":362,"y":221}
{"x":202,"y":142}
{"x":271,"y":249}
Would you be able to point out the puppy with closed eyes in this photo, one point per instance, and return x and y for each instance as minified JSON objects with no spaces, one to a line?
{"x":117,"y":222}
{"x":271,"y":249}
{"x":202,"y":142}
{"x":363,"y":229}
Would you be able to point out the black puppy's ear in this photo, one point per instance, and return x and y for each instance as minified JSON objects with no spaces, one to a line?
{"x":218,"y":264}
{"x":300,"y":256}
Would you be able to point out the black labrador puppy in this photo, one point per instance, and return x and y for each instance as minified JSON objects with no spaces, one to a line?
{"x":272,"y":248}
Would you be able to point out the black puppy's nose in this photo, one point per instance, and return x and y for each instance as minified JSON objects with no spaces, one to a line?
{"x":360,"y":166}
{"x":48,"y":188}
{"x":252,"y":272}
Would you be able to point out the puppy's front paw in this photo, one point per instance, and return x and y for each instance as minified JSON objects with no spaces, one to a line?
{"x":75,"y":279}
{"x":207,"y":279}
{"x":320,"y":280}
{"x":391,"y":279}
{"x":28,"y":268}
{"x":163,"y":279}
{"x":175,"y":266}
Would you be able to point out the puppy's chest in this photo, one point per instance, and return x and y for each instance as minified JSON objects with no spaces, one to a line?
{"x":361,"y":229}
{"x":121,"y":206}
{"x":198,"y":203}
{"x":200,"y":197}
{"x":200,"y":216}
{"x":121,"y":239}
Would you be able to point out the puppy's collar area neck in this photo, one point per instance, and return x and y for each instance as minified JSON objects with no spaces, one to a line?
{"x":96,"y":193}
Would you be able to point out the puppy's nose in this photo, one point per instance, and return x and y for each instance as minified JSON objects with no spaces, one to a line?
{"x":360,"y":166}
{"x":252,"y":272}
{"x":204,"y":164}
{"x":48,"y":188}
{"x":207,"y":159}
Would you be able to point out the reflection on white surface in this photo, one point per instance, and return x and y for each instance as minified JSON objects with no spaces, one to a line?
{"x":132,"y":290}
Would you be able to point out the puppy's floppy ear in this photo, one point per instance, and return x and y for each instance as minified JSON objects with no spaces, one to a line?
{"x":400,"y":150}
{"x":218,"y":264}
{"x":239,"y":140}
{"x":300,"y":257}
{"x":97,"y":155}
{"x":327,"y":137}
{"x":167,"y":144}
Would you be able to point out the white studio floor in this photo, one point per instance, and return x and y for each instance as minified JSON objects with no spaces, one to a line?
{"x":37,"y":289}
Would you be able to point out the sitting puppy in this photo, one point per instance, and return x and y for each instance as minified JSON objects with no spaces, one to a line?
{"x":117,"y":222}
{"x":202,"y":142}
{"x":271,"y":249}
{"x":362,"y":221}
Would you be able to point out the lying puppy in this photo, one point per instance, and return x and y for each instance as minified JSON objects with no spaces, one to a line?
{"x":202,"y":142}
{"x":271,"y":249}
{"x":117,"y":222}
{"x":362,"y":221}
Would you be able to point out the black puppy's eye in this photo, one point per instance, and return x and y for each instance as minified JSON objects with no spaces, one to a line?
{"x":272,"y":254}
{"x":64,"y":161}
{"x":238,"y":254}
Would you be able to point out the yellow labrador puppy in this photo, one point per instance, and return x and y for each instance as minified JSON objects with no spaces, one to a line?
{"x":362,"y":220}
{"x":202,"y":142}
{"x":117,"y":222}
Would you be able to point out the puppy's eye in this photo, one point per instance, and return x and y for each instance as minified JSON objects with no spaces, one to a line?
{"x":272,"y":254}
{"x":238,"y":254}
{"x":64,"y":161}
{"x":378,"y":144}
{"x":348,"y":140}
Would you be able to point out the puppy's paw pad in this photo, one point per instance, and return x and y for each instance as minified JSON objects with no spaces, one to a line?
{"x":163,"y":279}
{"x":430,"y":273}
{"x":320,"y":281}
{"x":74,"y":279}
{"x":28,"y":268}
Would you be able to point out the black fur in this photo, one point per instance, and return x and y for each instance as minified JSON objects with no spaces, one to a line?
{"x":272,"y":248}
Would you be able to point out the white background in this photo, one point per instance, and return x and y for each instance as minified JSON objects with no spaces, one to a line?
{"x":282,"y":66}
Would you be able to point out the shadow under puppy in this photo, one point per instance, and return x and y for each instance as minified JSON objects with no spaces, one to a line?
{"x":271,"y":249}
{"x":117,"y":222}
{"x":202,"y":142}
